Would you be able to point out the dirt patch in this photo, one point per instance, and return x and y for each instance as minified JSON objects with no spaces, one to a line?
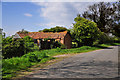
{"x":64,"y":55}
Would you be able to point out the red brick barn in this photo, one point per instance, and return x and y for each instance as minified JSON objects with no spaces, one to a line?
{"x":62,"y":37}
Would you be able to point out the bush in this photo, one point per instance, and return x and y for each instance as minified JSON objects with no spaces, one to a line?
{"x":32,"y":57}
{"x":58,"y":49}
{"x":13,"y":49}
{"x":63,"y":46}
{"x":16,"y":47}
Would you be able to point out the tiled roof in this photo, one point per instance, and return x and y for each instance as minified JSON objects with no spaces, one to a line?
{"x":43,"y":35}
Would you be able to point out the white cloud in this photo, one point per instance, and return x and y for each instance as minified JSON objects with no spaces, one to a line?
{"x":61,"y":13}
{"x":28,"y":14}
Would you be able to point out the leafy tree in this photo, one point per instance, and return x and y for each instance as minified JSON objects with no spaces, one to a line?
{"x":6,"y":40}
{"x":102,"y":14}
{"x":116,"y":27}
{"x":85,"y":32}
{"x":55,"y":29}
{"x":46,"y":30}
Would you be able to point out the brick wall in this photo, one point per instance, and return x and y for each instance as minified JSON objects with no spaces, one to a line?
{"x":68,"y":41}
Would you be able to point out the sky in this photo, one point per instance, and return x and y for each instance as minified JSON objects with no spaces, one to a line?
{"x":35,"y":16}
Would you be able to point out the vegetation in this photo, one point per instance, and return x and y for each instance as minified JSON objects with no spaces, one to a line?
{"x":55,"y":29}
{"x":116,"y":28}
{"x":32,"y":58}
{"x":85,"y":32}
{"x":0,"y":38}
{"x":16,"y":47}
{"x":20,"y":54}
{"x":12,"y":65}
{"x":102,"y":14}
{"x":106,"y":15}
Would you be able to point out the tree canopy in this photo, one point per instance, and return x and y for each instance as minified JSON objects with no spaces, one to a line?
{"x":116,"y":28}
{"x":102,"y":14}
{"x":85,"y":32}
{"x":55,"y":29}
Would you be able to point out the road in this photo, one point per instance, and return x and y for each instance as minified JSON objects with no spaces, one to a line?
{"x":96,"y":64}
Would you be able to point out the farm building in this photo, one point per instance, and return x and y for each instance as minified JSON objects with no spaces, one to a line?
{"x":62,"y":37}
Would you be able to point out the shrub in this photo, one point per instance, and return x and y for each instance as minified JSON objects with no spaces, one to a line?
{"x":13,"y":49}
{"x":63,"y":46}
{"x":32,"y":57}
{"x":58,"y":49}
{"x":16,"y":47}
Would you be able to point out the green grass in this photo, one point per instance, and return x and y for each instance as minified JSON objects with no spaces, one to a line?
{"x":12,"y":65}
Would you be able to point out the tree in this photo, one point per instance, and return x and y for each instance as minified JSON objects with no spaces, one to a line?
{"x":85,"y":32}
{"x":46,"y":30}
{"x":55,"y":29}
{"x":102,"y":14}
{"x":116,"y":27}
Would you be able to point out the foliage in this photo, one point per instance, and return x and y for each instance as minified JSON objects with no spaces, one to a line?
{"x":63,"y":46}
{"x":28,"y":43}
{"x":51,"y":44}
{"x":55,"y":29}
{"x":0,"y":38}
{"x":104,"y":38}
{"x":10,"y":66}
{"x":46,"y":30}
{"x":103,"y":14}
{"x":116,"y":26}
{"x":116,"y":30}
{"x":6,"y":40}
{"x":85,"y":32}
{"x":16,"y":47}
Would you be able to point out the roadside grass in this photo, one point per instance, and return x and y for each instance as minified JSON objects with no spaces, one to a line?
{"x":15,"y":64}
{"x":12,"y":65}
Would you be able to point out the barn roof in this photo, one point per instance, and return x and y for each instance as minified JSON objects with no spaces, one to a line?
{"x":43,"y":35}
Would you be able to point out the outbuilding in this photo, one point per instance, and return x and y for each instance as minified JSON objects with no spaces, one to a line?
{"x":62,"y":37}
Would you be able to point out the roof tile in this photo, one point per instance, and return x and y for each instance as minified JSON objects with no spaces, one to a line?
{"x":42,"y":35}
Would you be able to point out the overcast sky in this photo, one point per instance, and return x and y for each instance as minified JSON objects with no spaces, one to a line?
{"x":35,"y":16}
